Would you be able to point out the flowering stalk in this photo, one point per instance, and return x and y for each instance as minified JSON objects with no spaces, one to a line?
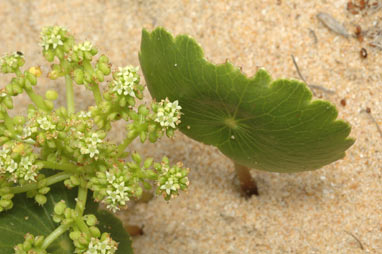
{"x":69,"y":94}
{"x":74,"y":143}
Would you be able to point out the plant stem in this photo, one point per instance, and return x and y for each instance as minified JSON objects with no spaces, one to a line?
{"x":126,"y":142}
{"x":69,"y":94}
{"x":81,"y":200}
{"x":247,"y":183}
{"x":60,"y":166}
{"x":32,"y":186}
{"x":8,"y":121}
{"x":80,"y":208}
{"x":37,"y":100}
{"x":97,"y":93}
{"x":133,"y":230}
{"x":54,"y":235}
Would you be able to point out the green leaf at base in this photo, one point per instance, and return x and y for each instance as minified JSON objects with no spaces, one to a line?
{"x":257,"y":122}
{"x":28,"y":217}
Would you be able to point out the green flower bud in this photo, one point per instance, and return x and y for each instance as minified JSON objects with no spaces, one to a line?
{"x":40,"y":199}
{"x":75,"y":235}
{"x":94,"y":232}
{"x":136,"y":157}
{"x":8,"y":102}
{"x":148,"y":162}
{"x":142,"y":136}
{"x":99,"y":75}
{"x":51,"y":95}
{"x":31,"y":78}
{"x":44,"y":190}
{"x":104,"y":68}
{"x":78,"y":76}
{"x":88,"y":56}
{"x":6,"y":204}
{"x":49,"y":55}
{"x":91,"y":220}
{"x":94,"y":51}
{"x":60,"y":207}
{"x":103,"y":59}
{"x":39,"y":240}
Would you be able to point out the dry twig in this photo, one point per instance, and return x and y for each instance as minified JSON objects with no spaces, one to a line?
{"x":358,"y":241}
{"x":311,"y":86}
{"x":367,"y":110}
{"x":332,"y":24}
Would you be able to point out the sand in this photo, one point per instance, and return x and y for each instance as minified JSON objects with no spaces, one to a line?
{"x":324,"y":211}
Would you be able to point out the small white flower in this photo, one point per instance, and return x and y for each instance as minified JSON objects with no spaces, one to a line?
{"x":172,"y":180}
{"x":45,"y":124}
{"x":11,"y":60}
{"x":89,"y":144}
{"x":51,"y":37}
{"x":117,"y":191}
{"x":83,"y":114}
{"x":126,"y":79}
{"x":168,"y":114}
{"x":96,"y":246}
{"x":11,"y":165}
{"x":86,"y":46}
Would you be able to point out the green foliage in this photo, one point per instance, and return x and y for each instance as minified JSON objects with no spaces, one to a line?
{"x":29,"y":217}
{"x":74,"y":146}
{"x":257,"y":122}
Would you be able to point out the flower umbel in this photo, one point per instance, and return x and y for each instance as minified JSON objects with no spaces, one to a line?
{"x":125,"y":80}
{"x":171,"y":179}
{"x":52,"y":36}
{"x":10,"y":63}
{"x":168,"y":113}
{"x":105,"y":245}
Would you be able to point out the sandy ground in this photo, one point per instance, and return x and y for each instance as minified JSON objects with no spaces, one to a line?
{"x":324,"y":211}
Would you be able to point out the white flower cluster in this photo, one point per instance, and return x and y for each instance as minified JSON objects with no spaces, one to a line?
{"x":7,"y":164}
{"x":117,"y":191}
{"x":11,"y":60}
{"x":86,"y":46}
{"x":172,"y":180}
{"x":26,"y":169}
{"x":52,"y":37}
{"x":89,"y":144}
{"x":45,"y":124}
{"x":22,"y":170}
{"x":125,"y":80}
{"x":97,"y":246}
{"x":83,"y":114}
{"x":168,"y":114}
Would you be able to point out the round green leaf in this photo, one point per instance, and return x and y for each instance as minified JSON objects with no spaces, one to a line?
{"x":27,"y":216}
{"x":257,"y":122}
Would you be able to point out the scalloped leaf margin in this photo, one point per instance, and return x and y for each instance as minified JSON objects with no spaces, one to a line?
{"x":260,"y":123}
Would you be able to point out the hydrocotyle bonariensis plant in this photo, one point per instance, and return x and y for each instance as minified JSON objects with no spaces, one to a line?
{"x":271,"y":125}
{"x":55,"y":162}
